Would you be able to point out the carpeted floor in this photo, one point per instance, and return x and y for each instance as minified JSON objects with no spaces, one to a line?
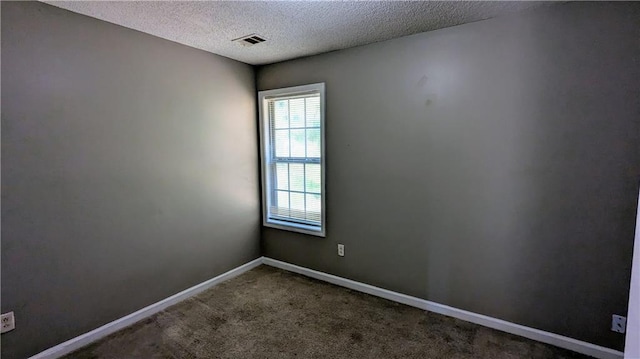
{"x":270,"y":313}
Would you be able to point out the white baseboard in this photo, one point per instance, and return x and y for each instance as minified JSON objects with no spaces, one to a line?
{"x":109,"y":328}
{"x":502,"y":325}
{"x":517,"y":329}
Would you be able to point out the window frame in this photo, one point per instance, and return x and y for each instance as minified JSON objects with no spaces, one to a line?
{"x":266,"y":157}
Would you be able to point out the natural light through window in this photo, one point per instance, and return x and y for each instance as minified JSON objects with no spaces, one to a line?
{"x":292,"y":134}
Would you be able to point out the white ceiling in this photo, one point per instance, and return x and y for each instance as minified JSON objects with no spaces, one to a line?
{"x":292,"y":28}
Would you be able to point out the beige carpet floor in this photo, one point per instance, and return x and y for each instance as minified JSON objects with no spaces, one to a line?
{"x":270,"y":313}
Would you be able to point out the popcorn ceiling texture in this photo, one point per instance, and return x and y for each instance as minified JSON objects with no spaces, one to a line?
{"x":292,"y":28}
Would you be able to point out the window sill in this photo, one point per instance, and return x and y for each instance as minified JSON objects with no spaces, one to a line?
{"x":295,"y":227}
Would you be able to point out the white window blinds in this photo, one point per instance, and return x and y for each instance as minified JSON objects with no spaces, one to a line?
{"x":293,"y":173}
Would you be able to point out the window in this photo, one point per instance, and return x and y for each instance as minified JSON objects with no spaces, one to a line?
{"x":292,"y":134}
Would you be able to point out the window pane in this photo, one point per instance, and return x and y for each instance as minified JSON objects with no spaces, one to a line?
{"x":293,"y":187}
{"x":313,"y":111}
{"x":314,"y":207}
{"x":297,"y":143}
{"x":282,"y":143}
{"x":296,"y":177}
{"x":313,"y":143}
{"x":282,"y":202}
{"x":281,"y":114}
{"x":313,"y":178}
{"x":296,"y":109}
{"x":297,"y":205}
{"x":282,"y":176}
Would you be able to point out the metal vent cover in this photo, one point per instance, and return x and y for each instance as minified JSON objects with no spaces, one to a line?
{"x":250,"y":40}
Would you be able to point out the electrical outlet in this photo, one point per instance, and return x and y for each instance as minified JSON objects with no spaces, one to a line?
{"x":618,"y":323}
{"x":341,"y":250}
{"x":8,"y":322}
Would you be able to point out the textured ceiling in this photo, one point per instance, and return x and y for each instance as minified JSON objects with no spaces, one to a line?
{"x":292,"y":28}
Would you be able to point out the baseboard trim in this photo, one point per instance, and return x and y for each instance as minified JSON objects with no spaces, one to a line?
{"x":118,"y":324}
{"x":575,"y":345}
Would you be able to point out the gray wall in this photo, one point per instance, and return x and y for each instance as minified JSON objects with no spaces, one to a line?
{"x":129,"y":171}
{"x":492,"y":167}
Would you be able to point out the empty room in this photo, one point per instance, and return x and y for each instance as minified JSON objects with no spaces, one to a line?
{"x":320,"y":179}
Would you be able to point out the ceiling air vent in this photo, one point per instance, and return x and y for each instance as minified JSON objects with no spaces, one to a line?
{"x":250,"y":40}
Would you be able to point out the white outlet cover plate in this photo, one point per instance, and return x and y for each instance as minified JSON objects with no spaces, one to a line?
{"x":8,"y":322}
{"x":618,"y":323}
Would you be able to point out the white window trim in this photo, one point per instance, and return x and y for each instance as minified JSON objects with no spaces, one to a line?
{"x":263,"y":96}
